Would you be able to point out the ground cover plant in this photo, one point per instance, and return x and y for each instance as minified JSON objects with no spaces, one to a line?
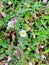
{"x":24,"y":32}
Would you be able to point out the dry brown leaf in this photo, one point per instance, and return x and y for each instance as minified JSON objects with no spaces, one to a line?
{"x":3,"y":14}
{"x":13,"y":37}
{"x":3,"y":62}
{"x":10,"y":48}
{"x":17,"y":53}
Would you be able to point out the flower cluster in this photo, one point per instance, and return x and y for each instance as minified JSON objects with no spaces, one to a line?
{"x":11,"y":24}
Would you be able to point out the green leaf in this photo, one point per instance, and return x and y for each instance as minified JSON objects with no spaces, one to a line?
{"x":2,"y":56}
{"x":4,"y":43}
{"x":46,"y":16}
{"x":46,"y":51}
{"x":1,"y":50}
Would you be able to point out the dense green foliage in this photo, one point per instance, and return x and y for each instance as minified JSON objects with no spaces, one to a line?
{"x":33,"y":17}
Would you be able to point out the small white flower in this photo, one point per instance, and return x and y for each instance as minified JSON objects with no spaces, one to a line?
{"x":44,"y":1}
{"x":23,"y":33}
{"x":9,"y":58}
{"x":30,"y":63}
{"x":6,"y":63}
{"x":41,"y":46}
{"x":9,"y":3}
{"x":43,"y":57}
{"x":8,"y":28}
{"x":10,"y":25}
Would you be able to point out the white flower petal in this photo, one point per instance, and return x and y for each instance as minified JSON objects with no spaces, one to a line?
{"x":44,"y":1}
{"x":43,"y":57}
{"x":23,"y":33}
{"x":8,"y":28}
{"x":6,"y":63}
{"x":9,"y":58}
{"x":30,"y":63}
{"x":10,"y":24}
{"x":9,"y":3}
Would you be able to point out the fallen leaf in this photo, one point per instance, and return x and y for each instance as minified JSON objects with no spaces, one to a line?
{"x":3,"y":14}
{"x":10,"y":48}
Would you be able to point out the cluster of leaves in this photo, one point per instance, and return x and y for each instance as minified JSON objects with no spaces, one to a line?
{"x":32,"y":16}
